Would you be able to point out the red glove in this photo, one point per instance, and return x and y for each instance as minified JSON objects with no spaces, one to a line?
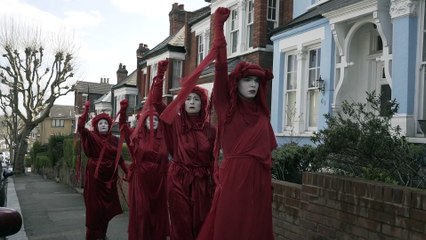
{"x":86,"y":108}
{"x":220,"y":17}
{"x":123,"y":105}
{"x":83,"y":117}
{"x":162,"y":67}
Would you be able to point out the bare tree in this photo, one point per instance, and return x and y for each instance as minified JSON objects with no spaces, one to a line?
{"x":33,"y":74}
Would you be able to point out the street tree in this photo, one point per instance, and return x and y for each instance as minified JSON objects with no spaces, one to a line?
{"x":36,"y":68}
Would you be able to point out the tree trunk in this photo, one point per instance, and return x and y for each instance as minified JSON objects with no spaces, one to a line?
{"x":21,"y":151}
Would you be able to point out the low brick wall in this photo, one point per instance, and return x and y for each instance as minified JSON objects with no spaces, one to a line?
{"x":334,"y":207}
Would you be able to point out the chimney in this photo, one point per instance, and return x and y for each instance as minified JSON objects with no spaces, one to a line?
{"x":143,"y":48}
{"x":104,"y":80}
{"x":177,"y":18}
{"x":121,"y":73}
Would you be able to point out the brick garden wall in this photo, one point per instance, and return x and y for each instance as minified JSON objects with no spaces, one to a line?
{"x":333,"y":207}
{"x":326,"y":207}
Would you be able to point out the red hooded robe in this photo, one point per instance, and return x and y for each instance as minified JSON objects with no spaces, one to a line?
{"x":148,"y":215}
{"x":100,"y":190}
{"x":190,"y":185}
{"x":242,"y":205}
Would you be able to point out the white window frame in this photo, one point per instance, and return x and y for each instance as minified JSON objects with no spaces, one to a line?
{"x":272,"y":13}
{"x":177,"y":72}
{"x":203,"y":43}
{"x":421,"y":92}
{"x":200,"y":48}
{"x":250,"y":23}
{"x":234,"y":30}
{"x":289,"y":124}
{"x":311,"y":88}
{"x":154,"y":69}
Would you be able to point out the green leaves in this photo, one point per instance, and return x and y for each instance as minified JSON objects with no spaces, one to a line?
{"x":360,"y":141}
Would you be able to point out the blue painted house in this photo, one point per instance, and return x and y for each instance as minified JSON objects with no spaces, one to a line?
{"x":336,"y":50}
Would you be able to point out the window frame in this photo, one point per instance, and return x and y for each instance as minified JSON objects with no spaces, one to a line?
{"x":311,"y":89}
{"x":288,"y":124}
{"x":272,"y":9}
{"x":200,"y":48}
{"x":176,"y":73}
{"x":250,"y":23}
{"x":421,"y":92}
{"x":234,"y":30}
{"x":58,"y":123}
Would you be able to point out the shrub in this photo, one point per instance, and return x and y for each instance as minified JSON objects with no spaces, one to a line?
{"x":360,"y":141}
{"x":69,"y":152}
{"x":55,"y":148}
{"x":290,"y":160}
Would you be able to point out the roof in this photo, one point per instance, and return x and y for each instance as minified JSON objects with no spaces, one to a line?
{"x":199,"y":15}
{"x":62,"y":111}
{"x":176,"y":42}
{"x":104,"y":99}
{"x":173,"y":42}
{"x":92,"y":87}
{"x":315,"y":13}
{"x":128,"y":81}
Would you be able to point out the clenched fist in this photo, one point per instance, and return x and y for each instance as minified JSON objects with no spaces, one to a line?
{"x":124,"y":104}
{"x":220,"y":16}
{"x":162,"y":67}
{"x":87,"y":105}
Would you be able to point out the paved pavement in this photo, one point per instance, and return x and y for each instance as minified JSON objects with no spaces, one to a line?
{"x":53,"y":211}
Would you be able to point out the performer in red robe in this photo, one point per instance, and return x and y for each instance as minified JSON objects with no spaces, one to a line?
{"x":100,"y":186}
{"x":242,"y":205}
{"x":190,"y":185}
{"x":148,"y":215}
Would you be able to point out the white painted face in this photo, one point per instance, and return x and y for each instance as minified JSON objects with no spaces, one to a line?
{"x":193,"y":104}
{"x":248,"y":87}
{"x":103,"y":126}
{"x":154,"y":122}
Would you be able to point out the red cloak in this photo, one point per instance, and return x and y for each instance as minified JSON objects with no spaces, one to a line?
{"x":242,"y":205}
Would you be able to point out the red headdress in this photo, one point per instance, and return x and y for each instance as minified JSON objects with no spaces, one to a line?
{"x":148,"y":111}
{"x":188,"y":85}
{"x":98,"y":117}
{"x":243,"y":70}
{"x":95,"y":121}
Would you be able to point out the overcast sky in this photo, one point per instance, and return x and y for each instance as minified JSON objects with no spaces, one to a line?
{"x":107,"y":32}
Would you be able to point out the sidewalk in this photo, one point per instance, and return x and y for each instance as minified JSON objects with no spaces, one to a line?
{"x":53,"y":211}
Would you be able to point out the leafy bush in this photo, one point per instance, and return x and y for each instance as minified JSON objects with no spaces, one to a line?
{"x":290,"y":160}
{"x":37,"y":148}
{"x":360,"y":141}
{"x":55,"y":148}
{"x":69,"y":152}
{"x":42,"y":161}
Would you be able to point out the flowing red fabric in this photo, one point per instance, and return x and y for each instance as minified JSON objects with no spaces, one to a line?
{"x":148,"y":213}
{"x":78,"y":158}
{"x":242,"y":203}
{"x":189,"y":184}
{"x":187,"y":85}
{"x":100,"y":194}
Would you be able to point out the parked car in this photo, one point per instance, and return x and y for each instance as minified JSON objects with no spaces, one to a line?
{"x":10,"y":222}
{"x":4,"y":174}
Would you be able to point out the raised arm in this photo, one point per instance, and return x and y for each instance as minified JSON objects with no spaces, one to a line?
{"x":122,"y":120}
{"x":220,"y":89}
{"x":82,"y":119}
{"x":156,"y":93}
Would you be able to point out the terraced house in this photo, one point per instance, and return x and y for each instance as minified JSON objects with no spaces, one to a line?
{"x":336,"y":50}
